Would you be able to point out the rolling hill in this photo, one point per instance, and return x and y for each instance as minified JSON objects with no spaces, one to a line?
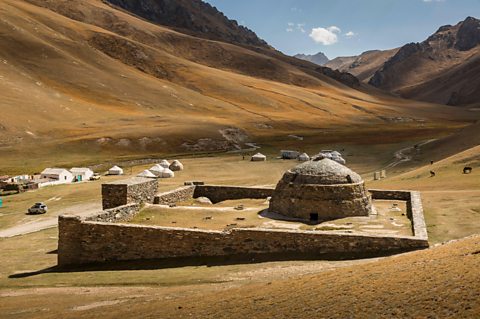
{"x":364,"y":65}
{"x":83,"y":81}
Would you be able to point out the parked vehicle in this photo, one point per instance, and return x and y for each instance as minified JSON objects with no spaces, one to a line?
{"x":95,"y":177}
{"x":38,"y":208}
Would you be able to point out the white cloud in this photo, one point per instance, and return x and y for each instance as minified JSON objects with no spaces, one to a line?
{"x":300,"y":27}
{"x":325,"y":36}
{"x":350,"y":34}
{"x":291,"y":27}
{"x":334,"y":29}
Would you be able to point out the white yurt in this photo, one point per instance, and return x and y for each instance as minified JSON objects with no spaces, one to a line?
{"x":303,"y":157}
{"x":176,"y":166}
{"x":157,"y":167}
{"x":115,"y":171}
{"x":164,"y":163}
{"x":259,"y":157}
{"x":166,"y":173}
{"x":147,"y":173}
{"x":157,"y":170}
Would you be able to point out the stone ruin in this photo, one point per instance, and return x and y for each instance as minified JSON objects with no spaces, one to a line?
{"x":321,"y":187}
{"x":320,"y":190}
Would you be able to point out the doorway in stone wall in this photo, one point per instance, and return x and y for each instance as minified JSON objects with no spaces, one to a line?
{"x":314,"y":217}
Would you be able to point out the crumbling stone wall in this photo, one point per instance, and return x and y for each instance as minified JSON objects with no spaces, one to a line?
{"x":134,"y":190}
{"x":174,"y":196}
{"x":96,"y":238}
{"x":221,"y":193}
{"x":115,"y":215}
{"x":82,"y":242}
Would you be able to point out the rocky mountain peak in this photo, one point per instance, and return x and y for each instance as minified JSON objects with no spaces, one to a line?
{"x":194,"y":17}
{"x":468,"y":34}
{"x":320,"y":58}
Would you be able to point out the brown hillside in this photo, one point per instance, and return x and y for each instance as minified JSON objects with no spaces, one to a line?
{"x":364,"y":65}
{"x":194,"y":17}
{"x":442,"y":282}
{"x":83,"y":81}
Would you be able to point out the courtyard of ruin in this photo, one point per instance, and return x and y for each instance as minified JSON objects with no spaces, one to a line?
{"x":389,"y":218}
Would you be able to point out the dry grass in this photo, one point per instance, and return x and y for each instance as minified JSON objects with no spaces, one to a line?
{"x":223,"y":216}
{"x":448,"y":272}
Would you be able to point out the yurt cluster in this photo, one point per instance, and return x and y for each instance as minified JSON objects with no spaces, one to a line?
{"x":303,"y":157}
{"x":164,"y":169}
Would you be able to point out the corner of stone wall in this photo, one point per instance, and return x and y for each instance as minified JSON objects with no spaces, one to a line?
{"x":69,"y":239}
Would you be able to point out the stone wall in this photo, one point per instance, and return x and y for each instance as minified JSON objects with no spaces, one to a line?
{"x":177,"y":195}
{"x":115,"y":215}
{"x":221,"y":193}
{"x":134,"y":190}
{"x":414,"y":208}
{"x":83,"y":242}
{"x":390,"y":194}
{"x":97,"y":238}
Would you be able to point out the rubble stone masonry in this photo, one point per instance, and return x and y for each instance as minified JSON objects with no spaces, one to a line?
{"x":101,"y":238}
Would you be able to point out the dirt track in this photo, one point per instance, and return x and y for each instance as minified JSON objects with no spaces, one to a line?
{"x":45,"y":222}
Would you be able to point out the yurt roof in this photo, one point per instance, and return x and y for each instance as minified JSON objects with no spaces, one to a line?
{"x":146,"y":173}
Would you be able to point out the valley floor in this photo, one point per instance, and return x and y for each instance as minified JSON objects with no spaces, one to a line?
{"x":442,"y":280}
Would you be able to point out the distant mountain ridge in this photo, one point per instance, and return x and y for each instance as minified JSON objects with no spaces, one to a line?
{"x":320,"y":58}
{"x":364,"y":65}
{"x":442,"y":69}
{"x":192,"y":16}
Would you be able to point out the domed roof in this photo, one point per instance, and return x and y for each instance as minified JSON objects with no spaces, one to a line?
{"x":322,"y":172}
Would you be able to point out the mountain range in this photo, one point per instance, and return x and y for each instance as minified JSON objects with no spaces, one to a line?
{"x":442,"y":69}
{"x":94,"y":79}
{"x":319,"y":58}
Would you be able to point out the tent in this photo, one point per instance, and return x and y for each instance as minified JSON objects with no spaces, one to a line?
{"x":157,"y":170}
{"x":157,"y":167}
{"x":115,"y":171}
{"x":303,"y":157}
{"x":176,"y":166}
{"x":146,"y":173}
{"x":259,"y":157}
{"x":164,"y":163}
{"x":166,"y":173}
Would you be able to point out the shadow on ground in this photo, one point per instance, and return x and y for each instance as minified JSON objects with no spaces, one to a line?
{"x":196,"y":261}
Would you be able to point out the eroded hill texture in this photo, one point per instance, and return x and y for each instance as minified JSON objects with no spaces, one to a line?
{"x":86,"y":80}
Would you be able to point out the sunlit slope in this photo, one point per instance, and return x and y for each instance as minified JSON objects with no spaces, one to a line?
{"x":109,"y":82}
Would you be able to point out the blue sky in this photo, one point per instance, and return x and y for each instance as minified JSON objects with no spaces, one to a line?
{"x":341,"y":27}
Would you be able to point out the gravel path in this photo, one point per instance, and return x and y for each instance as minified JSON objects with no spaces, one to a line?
{"x":45,"y":222}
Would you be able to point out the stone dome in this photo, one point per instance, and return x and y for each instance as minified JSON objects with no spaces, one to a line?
{"x":323,"y":172}
{"x":320,"y":190}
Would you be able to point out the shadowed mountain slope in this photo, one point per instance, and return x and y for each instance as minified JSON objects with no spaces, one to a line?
{"x":442,"y":69}
{"x":364,"y":65}
{"x":82,"y":81}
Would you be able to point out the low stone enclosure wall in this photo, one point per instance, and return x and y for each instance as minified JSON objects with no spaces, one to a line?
{"x":103,"y":238}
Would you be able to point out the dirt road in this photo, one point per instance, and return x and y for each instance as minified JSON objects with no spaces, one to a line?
{"x":49,"y":220}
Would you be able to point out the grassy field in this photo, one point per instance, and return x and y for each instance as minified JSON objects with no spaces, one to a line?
{"x":451,"y":210}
